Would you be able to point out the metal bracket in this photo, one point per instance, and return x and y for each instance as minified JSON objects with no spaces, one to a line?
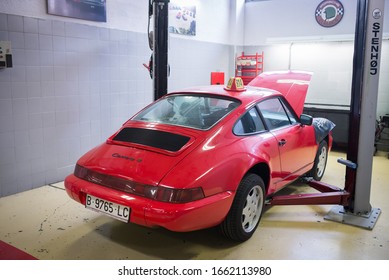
{"x":348,"y":163}
{"x":340,"y":215}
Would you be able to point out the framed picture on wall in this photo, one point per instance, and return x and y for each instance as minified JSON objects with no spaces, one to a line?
{"x":182,"y":19}
{"x":94,"y":10}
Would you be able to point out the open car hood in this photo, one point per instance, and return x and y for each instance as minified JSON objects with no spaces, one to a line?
{"x":292,"y":84}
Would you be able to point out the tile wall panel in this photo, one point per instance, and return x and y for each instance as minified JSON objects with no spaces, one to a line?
{"x":50,"y":101}
{"x":71,"y":86}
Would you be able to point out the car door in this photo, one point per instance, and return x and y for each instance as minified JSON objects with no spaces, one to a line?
{"x":260,"y":143}
{"x":296,"y":142}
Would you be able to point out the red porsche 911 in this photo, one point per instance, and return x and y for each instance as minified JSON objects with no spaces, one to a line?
{"x":205,"y":157}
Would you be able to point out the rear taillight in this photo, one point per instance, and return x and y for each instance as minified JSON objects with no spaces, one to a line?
{"x":158,"y":193}
{"x":179,"y":195}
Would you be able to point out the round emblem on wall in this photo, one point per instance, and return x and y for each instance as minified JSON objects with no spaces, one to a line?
{"x":329,"y":13}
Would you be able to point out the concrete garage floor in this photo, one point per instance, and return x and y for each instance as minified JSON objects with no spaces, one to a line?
{"x":47,"y":224}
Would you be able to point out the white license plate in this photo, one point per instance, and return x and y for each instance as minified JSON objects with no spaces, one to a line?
{"x":109,"y":208}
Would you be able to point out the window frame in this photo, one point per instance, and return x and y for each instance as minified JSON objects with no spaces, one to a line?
{"x":254,"y":107}
{"x":285,"y":107}
{"x":152,"y":106}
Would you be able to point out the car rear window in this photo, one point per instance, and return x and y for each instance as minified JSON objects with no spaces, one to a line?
{"x":194,"y":111}
{"x":153,"y":138}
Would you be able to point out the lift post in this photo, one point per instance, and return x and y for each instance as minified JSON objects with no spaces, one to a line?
{"x":160,"y":47}
{"x":353,"y":202}
{"x":367,"y":55}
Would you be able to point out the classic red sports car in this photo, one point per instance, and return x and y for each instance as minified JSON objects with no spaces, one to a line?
{"x":207,"y":156}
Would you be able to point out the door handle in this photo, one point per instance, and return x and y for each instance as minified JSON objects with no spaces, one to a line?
{"x":282,"y":142}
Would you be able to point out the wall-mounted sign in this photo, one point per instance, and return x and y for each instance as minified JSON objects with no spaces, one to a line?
{"x":329,"y":13}
{"x":94,"y":10}
{"x":182,"y":19}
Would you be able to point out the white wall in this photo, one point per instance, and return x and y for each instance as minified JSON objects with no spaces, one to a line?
{"x":267,"y":22}
{"x":330,"y":63}
{"x":236,"y":22}
{"x":291,"y":38}
{"x":74,"y":82}
{"x":213,"y":16}
{"x":129,"y":15}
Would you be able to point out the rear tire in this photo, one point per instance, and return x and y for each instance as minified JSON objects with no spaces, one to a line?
{"x":243,"y":218}
{"x":320,"y":163}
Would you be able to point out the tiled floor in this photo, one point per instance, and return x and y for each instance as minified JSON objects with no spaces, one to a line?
{"x":47,"y":224}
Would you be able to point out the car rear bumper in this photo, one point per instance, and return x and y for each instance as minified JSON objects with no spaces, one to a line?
{"x":200,"y":214}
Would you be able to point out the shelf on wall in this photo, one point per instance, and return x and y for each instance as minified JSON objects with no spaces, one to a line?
{"x":249,"y":66}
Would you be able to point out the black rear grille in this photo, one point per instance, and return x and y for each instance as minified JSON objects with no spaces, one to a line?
{"x":152,"y":138}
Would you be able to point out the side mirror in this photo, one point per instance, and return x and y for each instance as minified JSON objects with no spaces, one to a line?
{"x":306,"y":119}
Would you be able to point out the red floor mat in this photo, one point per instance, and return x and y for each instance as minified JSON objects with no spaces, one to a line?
{"x":8,"y":252}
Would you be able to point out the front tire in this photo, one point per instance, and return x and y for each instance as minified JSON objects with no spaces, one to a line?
{"x":243,"y":218}
{"x":320,"y":164}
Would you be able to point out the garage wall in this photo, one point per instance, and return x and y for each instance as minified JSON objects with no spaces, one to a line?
{"x":71,"y":86}
{"x":74,"y":82}
{"x":277,"y":21}
{"x":275,"y":27}
{"x":129,"y":15}
{"x":191,"y":62}
{"x":213,"y":17}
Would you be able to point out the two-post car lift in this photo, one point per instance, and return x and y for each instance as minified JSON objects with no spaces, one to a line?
{"x":353,"y":201}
